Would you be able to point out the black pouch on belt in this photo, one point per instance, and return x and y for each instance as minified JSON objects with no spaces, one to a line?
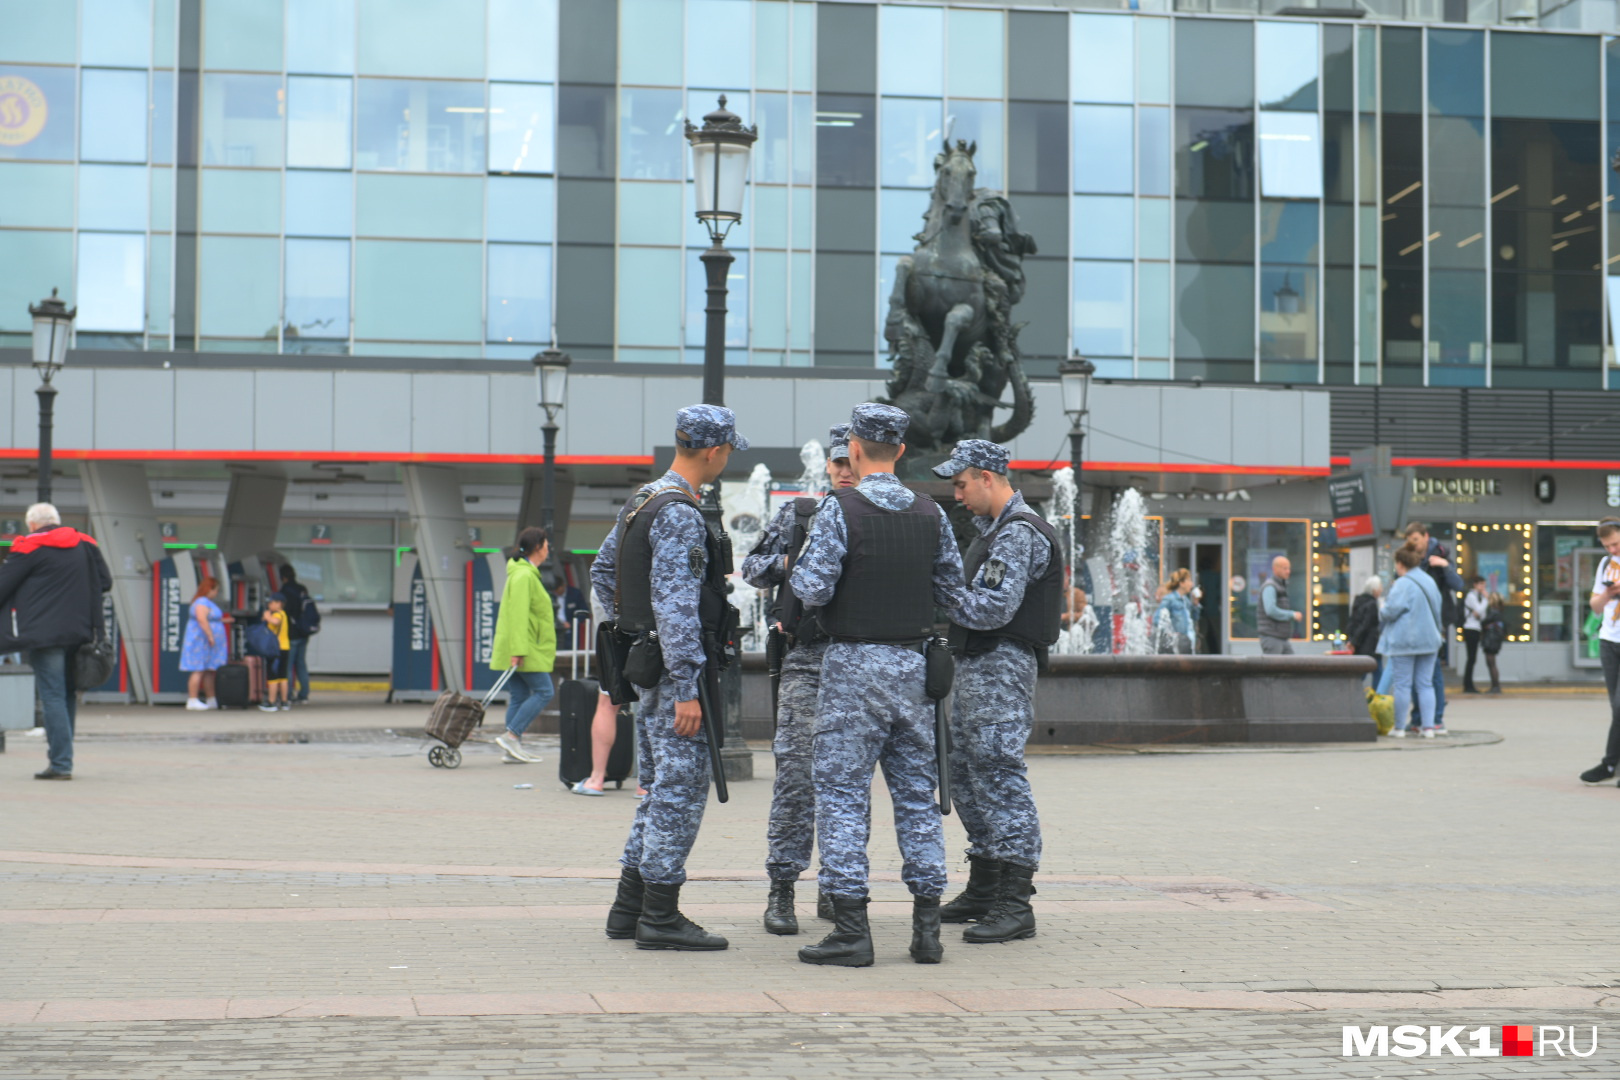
{"x":645,"y":664}
{"x":940,"y":669}
{"x":612,"y":652}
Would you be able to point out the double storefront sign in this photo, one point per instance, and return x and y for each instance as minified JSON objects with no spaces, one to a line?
{"x":1454,"y":489}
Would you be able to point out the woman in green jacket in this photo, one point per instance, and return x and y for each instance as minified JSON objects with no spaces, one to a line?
{"x":525,"y":639}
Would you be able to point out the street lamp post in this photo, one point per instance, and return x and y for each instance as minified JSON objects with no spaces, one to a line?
{"x":1074,"y":376}
{"x":53,"y":329}
{"x":551,"y":387}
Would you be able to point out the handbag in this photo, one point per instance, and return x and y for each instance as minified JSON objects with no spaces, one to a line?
{"x":93,"y":664}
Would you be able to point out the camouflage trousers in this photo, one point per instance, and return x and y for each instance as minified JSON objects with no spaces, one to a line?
{"x":792,"y":828}
{"x":675,"y":771}
{"x":871,"y":711}
{"x":993,"y":712}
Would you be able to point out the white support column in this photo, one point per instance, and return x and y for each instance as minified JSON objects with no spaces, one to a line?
{"x":433,"y":493}
{"x":125,"y":525}
{"x":252,"y":515}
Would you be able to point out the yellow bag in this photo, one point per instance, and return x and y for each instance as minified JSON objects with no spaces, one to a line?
{"x":1381,"y":707}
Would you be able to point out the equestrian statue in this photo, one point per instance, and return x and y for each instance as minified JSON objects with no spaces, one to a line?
{"x":951,"y":336}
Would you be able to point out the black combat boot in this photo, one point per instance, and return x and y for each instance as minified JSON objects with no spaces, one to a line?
{"x":662,"y":926}
{"x":780,"y":918}
{"x":925,"y":946}
{"x":972,"y":902}
{"x":850,"y":943}
{"x":626,"y":909}
{"x":824,"y":908}
{"x":1010,"y":918}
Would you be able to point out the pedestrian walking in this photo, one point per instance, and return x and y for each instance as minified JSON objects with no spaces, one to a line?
{"x":1436,"y":562}
{"x":1175,"y":620}
{"x":878,"y":561}
{"x":525,"y":639}
{"x":1274,"y":619}
{"x":1605,"y":602}
{"x":1362,"y":630}
{"x":661,"y":574}
{"x":280,"y":623}
{"x":799,"y":640}
{"x":1411,"y":640}
{"x":1475,"y":604}
{"x":205,"y":646}
{"x":299,"y":606}
{"x":50,"y":604}
{"x":1010,"y":614}
{"x":1492,"y":633}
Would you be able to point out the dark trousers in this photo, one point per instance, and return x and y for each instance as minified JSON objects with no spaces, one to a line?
{"x":1471,"y":641}
{"x":1609,"y":652}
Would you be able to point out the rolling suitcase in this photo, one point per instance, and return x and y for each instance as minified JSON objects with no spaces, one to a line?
{"x":576,"y":710}
{"x":240,"y":683}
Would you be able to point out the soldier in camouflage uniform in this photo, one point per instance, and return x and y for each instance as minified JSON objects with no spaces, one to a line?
{"x":878,"y":560}
{"x":1010,"y":613}
{"x":674,"y":757}
{"x":793,"y":820}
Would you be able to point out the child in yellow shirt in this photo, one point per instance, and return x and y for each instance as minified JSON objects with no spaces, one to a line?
{"x":275,"y":617}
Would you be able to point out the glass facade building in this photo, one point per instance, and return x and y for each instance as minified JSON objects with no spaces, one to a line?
{"x":1411,"y":200}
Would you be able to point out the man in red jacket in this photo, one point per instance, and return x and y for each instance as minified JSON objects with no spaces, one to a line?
{"x":50,"y":604}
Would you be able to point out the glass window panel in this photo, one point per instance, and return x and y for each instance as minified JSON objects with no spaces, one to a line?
{"x":1153,"y":309}
{"x":521,"y":208}
{"x":981,"y":123}
{"x":1457,"y":72}
{"x":1457,"y":317}
{"x":519,"y":293}
{"x":163,"y":118}
{"x":769,"y":215}
{"x":1288,"y":307}
{"x":116,"y":33}
{"x":163,"y":33}
{"x":1338,"y":157}
{"x":242,"y":35}
{"x":320,"y":203}
{"x":1214,"y":63}
{"x":1102,"y":148}
{"x":416,"y":290}
{"x":718,"y":50}
{"x":320,"y":36}
{"x":241,"y":121}
{"x":1254,"y":545}
{"x":38,"y":196}
{"x":113,"y":117}
{"x":1102,"y":53}
{"x":1522,"y":81}
{"x":420,"y":207}
{"x":652,"y":145}
{"x":441,"y":39}
{"x":803,"y":203}
{"x":32,"y":263}
{"x":1153,"y":227}
{"x":1153,"y":61}
{"x":801,"y":269}
{"x":1290,"y":155}
{"x":913,"y":48}
{"x":238,"y":286}
{"x":1286,"y":67}
{"x":317,"y":289}
{"x":804,"y":139}
{"x":804,"y":47}
{"x":1338,"y":68}
{"x":1102,"y":308}
{"x":770,"y":287}
{"x":772,"y":51}
{"x":414,"y":126}
{"x":523,"y":40}
{"x":159,"y":285}
{"x":1214,"y":230}
{"x":520,"y":128}
{"x":1400,"y":70}
{"x":736,"y":300}
{"x":241,"y":201}
{"x":846,"y":136}
{"x":901,"y":218}
{"x":1214,"y":312}
{"x":1457,"y":161}
{"x":1338,"y":234}
{"x":112,"y":282}
{"x":585,"y":134}
{"x":40,"y":105}
{"x":1153,"y":151}
{"x":770,"y":162}
{"x":1288,"y":232}
{"x":1103,"y":227}
{"x":318,"y":114}
{"x":651,"y":214}
{"x":649,"y":42}
{"x":976,"y":43}
{"x":912,"y":133}
{"x":1037,"y":152}
{"x":1339,"y":324}
{"x":1458,"y":237}
{"x":653,"y":277}
{"x":40,"y":33}
{"x":113,"y":197}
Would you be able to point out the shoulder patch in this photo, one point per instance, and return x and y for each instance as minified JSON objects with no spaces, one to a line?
{"x":995,"y":572}
{"x":696,"y":560}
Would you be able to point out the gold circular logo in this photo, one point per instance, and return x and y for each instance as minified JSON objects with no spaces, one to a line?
{"x":23,"y":111}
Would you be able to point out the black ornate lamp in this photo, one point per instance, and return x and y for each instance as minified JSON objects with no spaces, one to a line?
{"x":53,"y":331}
{"x":551,"y":387}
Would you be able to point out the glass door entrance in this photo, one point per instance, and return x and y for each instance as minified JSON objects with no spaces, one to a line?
{"x":1205,"y":557}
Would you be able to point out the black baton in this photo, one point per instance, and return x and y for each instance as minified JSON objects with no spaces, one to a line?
{"x":775,"y":646}
{"x":942,"y":750}
{"x":711,"y":732}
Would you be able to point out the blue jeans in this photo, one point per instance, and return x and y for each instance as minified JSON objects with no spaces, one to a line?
{"x":1414,"y":672}
{"x":298,"y":669}
{"x":53,"y":681}
{"x":529,"y":691}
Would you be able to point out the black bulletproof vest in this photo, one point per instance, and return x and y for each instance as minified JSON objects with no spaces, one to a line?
{"x":633,"y":573}
{"x":788,"y":609}
{"x":886,"y":592}
{"x":1039,"y":618}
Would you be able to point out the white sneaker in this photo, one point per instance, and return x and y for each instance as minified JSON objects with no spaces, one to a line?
{"x":1398,"y":733}
{"x":265,"y":706}
{"x":514,"y":749}
{"x":1428,"y":733}
{"x":211,"y":703}
{"x":195,"y":705}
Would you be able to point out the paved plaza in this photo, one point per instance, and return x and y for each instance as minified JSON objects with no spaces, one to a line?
{"x":302,"y":895}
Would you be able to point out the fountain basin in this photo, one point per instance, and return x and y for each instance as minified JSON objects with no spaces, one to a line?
{"x":1171,"y":699}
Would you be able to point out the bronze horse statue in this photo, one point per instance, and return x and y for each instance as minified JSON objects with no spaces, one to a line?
{"x":951,"y":338}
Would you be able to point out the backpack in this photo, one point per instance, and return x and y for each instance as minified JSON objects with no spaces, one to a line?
{"x":261,"y":641}
{"x":1492,"y":632}
{"x":309,"y":618}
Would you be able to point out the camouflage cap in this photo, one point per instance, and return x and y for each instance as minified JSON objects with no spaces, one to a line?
{"x":879,"y":423}
{"x":838,"y":442}
{"x":698,"y":427}
{"x":976,"y":454}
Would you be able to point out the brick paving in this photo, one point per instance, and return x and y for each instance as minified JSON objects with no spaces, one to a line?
{"x":195,"y":904}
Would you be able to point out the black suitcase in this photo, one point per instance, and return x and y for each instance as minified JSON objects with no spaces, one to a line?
{"x":233,"y":686}
{"x":576,"y":709}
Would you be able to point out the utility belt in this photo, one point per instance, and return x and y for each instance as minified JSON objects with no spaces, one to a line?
{"x":643,"y":654}
{"x":939,"y":662}
{"x":981,"y":642}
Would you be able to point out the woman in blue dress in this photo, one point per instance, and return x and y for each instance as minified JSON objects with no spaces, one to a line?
{"x":203,"y":650}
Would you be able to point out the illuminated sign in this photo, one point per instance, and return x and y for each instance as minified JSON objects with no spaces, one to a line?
{"x":23,"y":111}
